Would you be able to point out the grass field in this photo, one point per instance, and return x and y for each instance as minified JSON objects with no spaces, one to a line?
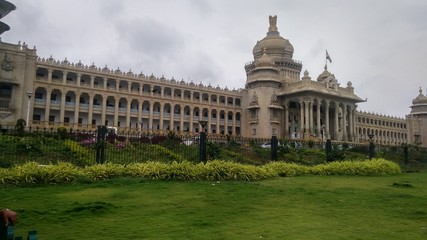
{"x":309,"y":207}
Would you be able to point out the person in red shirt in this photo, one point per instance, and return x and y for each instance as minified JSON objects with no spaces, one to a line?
{"x":9,"y":216}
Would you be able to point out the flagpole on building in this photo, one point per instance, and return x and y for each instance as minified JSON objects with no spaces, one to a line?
{"x":326,"y":62}
{"x":327,"y":58}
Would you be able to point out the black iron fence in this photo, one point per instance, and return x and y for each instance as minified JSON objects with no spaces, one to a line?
{"x":83,"y":148}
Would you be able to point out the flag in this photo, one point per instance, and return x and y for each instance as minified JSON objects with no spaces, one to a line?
{"x":328,"y":57}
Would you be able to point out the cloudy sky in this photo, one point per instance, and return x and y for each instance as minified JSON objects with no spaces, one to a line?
{"x":378,"y":45}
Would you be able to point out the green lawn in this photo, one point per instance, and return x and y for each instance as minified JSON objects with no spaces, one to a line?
{"x":309,"y":207}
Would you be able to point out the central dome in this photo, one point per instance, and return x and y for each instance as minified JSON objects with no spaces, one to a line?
{"x":273,"y":44}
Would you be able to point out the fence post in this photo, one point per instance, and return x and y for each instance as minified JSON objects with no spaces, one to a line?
{"x":100,"y":144}
{"x":202,"y":147}
{"x":328,"y":150}
{"x":406,"y":154}
{"x":371,"y":150}
{"x":273,"y":148}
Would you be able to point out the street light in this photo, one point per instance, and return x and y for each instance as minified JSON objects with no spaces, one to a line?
{"x":203,"y":124}
{"x":371,"y":146}
{"x":29,"y":95}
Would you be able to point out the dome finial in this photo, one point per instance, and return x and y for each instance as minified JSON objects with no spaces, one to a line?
{"x":273,"y":23}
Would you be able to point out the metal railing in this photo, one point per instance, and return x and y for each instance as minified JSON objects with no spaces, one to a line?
{"x":86,"y":147}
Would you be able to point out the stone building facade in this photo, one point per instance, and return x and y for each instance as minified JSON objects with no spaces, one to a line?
{"x":276,"y":100}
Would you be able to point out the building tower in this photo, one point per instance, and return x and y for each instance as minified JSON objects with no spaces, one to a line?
{"x":417,"y":121}
{"x":272,"y":67}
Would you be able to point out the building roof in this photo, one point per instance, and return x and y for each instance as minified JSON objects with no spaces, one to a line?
{"x":273,"y":44}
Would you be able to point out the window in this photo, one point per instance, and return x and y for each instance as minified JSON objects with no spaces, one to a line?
{"x":274,"y":113}
{"x":5,"y":95}
{"x":253,"y":112}
{"x":38,"y":95}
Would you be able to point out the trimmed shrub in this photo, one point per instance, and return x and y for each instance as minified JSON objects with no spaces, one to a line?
{"x":32,"y":173}
{"x":284,"y":169}
{"x":363,"y":168}
{"x":104,"y":171}
{"x":222,"y":170}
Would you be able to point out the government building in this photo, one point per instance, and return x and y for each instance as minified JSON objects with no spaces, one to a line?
{"x":278,"y":99}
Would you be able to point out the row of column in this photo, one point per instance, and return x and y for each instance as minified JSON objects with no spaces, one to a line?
{"x":140,"y":91}
{"x":307,"y":119}
{"x":191,"y":116}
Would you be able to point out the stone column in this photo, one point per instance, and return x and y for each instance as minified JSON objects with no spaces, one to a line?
{"x":62,"y":111}
{"x":336,"y":121}
{"x":140,"y":114}
{"x":191,"y":119}
{"x":351,"y":123}
{"x":181,"y":120}
{"x":49,"y":74}
{"x":104,"y":110}
{"x":218,"y":117}
{"x":90,"y":112}
{"x":234,"y":124}
{"x":77,"y":109}
{"x":79,"y":78}
{"x":306,"y":125}
{"x":161,"y":116}
{"x":116,"y":111}
{"x":286,"y":120}
{"x":344,"y":123}
{"x":311,"y":112}
{"x":319,"y":134}
{"x":105,"y":85}
{"x":328,"y":134}
{"x":150,"y":116}
{"x":209,"y":121}
{"x":64,"y":79}
{"x":128,"y":112}
{"x":301,"y":104}
{"x":226,"y":121}
{"x":172,"y":118}
{"x":47,"y":109}
{"x":92,"y":80}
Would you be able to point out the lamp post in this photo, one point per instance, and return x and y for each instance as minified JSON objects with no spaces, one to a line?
{"x":29,"y":95}
{"x":202,"y":143}
{"x":371,"y":146}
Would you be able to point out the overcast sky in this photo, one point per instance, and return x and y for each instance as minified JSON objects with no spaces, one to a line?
{"x":378,"y":45}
